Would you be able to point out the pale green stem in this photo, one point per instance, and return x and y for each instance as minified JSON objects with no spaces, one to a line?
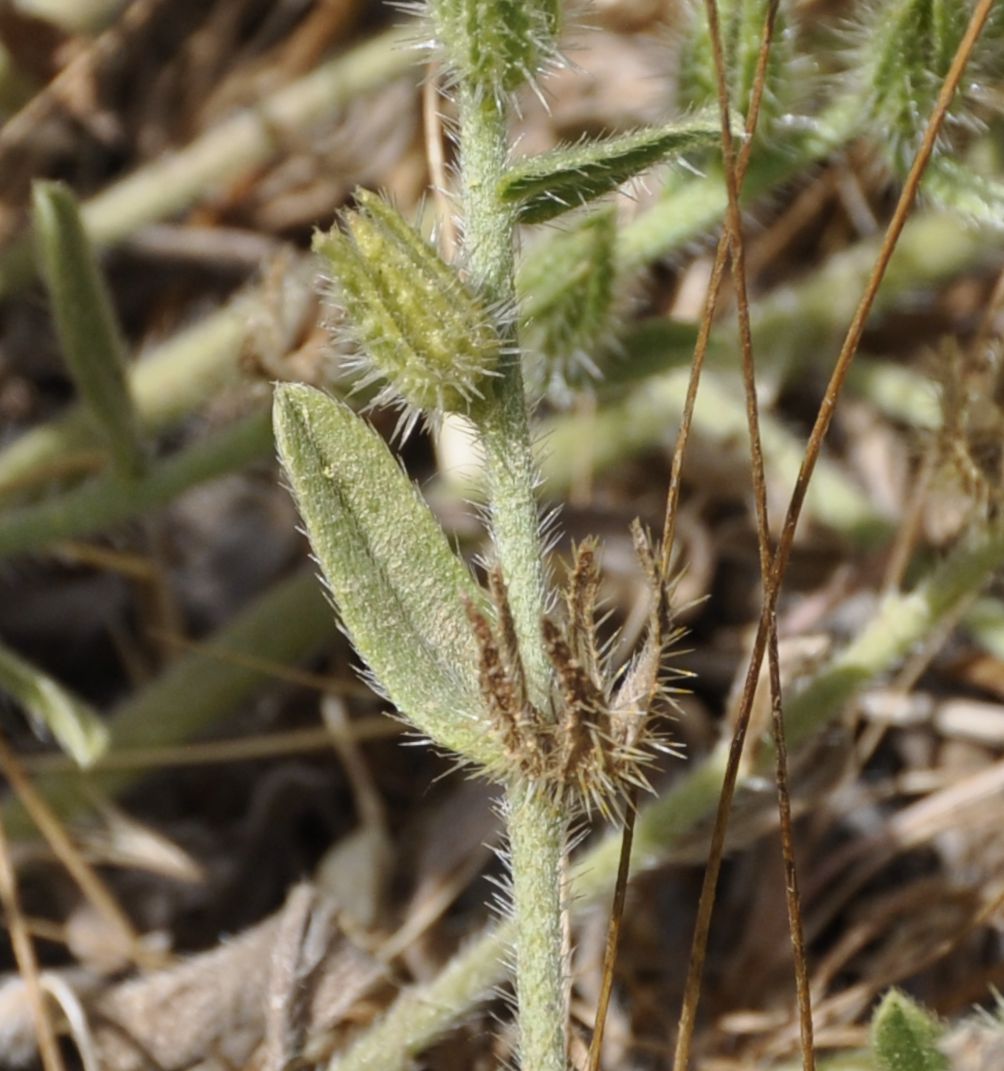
{"x":111,"y":499}
{"x":536,"y":829}
{"x":901,"y":622}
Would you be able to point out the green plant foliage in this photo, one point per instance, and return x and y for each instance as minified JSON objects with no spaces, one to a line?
{"x":904,"y":52}
{"x":546,"y":186}
{"x":742,"y":23}
{"x":75,"y":726}
{"x":567,"y":296}
{"x":495,"y":46}
{"x":399,"y":589}
{"x":420,"y":327}
{"x":957,"y":187}
{"x":904,"y":1036}
{"x":88,"y":329}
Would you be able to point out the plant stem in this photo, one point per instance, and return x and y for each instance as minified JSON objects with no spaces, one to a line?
{"x":112,"y":499}
{"x":537,"y":830}
{"x":537,"y":842}
{"x":502,"y":420}
{"x":902,"y":621}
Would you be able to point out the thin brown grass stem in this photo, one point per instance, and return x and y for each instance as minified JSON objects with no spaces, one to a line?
{"x":793,"y":901}
{"x":27,"y":963}
{"x":813,"y":447}
{"x":90,"y":884}
{"x":739,"y":277}
{"x":711,"y":297}
{"x":613,"y":936}
{"x":734,"y":235}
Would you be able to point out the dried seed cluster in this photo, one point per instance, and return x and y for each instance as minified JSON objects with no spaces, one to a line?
{"x":589,"y":747}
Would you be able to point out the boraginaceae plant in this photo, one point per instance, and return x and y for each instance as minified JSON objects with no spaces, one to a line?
{"x":509,"y":676}
{"x":495,"y":675}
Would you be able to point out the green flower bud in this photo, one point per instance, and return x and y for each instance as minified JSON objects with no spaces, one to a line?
{"x":421,"y":329}
{"x":496,"y":45}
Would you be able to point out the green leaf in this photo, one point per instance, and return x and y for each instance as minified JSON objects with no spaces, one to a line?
{"x":399,"y":588}
{"x":75,"y":726}
{"x":555,"y":182}
{"x":89,"y":332}
{"x":904,"y":1036}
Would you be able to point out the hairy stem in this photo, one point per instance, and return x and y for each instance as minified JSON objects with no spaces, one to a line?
{"x":537,"y":838}
{"x":536,"y":828}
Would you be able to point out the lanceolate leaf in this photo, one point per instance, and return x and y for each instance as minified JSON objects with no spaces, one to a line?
{"x":88,"y":328}
{"x":548,"y":185}
{"x":399,"y":588}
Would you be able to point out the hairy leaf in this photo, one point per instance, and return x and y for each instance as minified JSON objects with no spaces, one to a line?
{"x":399,"y":588}
{"x":904,"y":1036}
{"x":552,"y":183}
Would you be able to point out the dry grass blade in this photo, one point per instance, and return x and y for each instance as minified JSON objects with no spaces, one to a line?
{"x":56,"y":836}
{"x":734,"y":235}
{"x":24,"y":953}
{"x":736,"y":172}
{"x":820,"y":427}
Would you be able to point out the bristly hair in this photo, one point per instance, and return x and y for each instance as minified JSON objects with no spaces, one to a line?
{"x":590,"y":746}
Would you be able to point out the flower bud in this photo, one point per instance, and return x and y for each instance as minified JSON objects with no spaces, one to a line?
{"x":421,"y":328}
{"x":496,"y":45}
